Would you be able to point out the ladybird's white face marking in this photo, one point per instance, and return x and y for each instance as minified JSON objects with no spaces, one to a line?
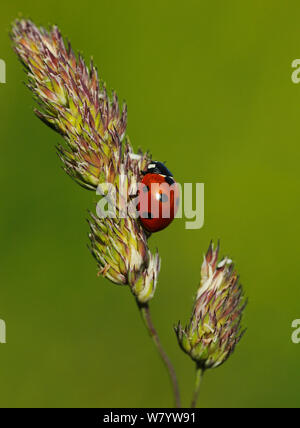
{"x":158,"y":168}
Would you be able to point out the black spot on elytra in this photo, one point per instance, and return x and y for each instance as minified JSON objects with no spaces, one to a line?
{"x":163,"y":197}
{"x":147,"y":215}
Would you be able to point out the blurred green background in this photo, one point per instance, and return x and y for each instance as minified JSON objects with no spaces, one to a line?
{"x":209,"y":89}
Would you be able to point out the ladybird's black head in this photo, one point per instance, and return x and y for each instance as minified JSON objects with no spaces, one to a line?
{"x":158,"y":168}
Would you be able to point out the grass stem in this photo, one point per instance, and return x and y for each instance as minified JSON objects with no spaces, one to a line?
{"x":145,"y":312}
{"x":198,"y":381}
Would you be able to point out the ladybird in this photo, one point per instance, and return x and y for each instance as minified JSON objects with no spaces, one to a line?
{"x":158,"y":197}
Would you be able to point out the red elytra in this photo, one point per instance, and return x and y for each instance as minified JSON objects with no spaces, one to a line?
{"x":158,"y":202}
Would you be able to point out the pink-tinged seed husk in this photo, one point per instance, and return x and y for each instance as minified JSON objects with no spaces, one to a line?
{"x":214,"y":329}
